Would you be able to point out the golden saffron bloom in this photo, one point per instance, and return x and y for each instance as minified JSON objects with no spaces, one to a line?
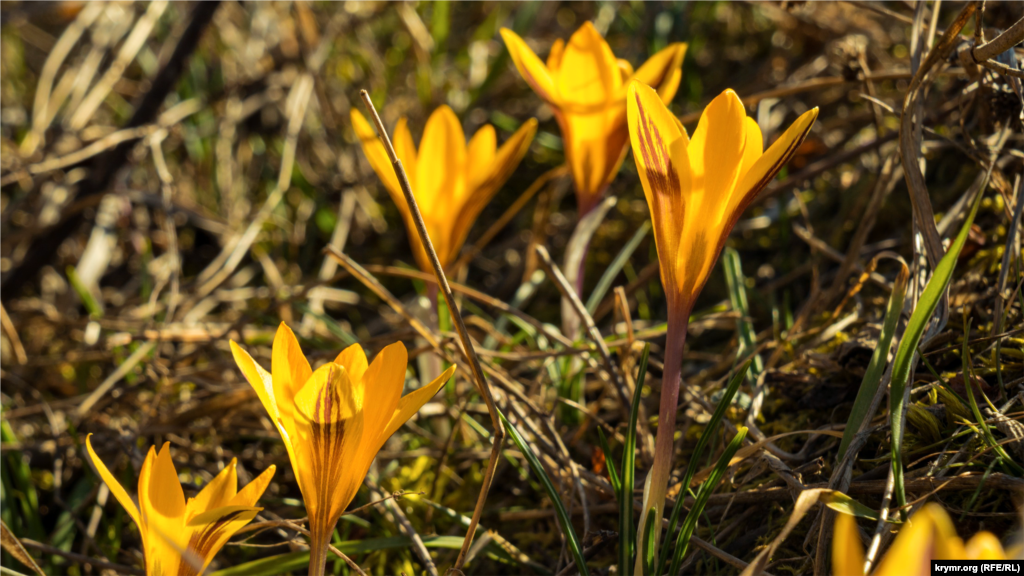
{"x":178,"y":536}
{"x":929,"y":536}
{"x":698,"y":187}
{"x":585,"y":85}
{"x":333,"y":420}
{"x":452,"y":181}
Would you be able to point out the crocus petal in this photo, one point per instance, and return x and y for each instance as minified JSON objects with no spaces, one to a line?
{"x":480,"y":157}
{"x":589,"y":76}
{"x":626,"y":69}
{"x":530,"y":67}
{"x":208,"y":532}
{"x":663,"y":71}
{"x":503,"y":163}
{"x":375,"y":153}
{"x":249,"y":495}
{"x":915,"y":546}
{"x":259,"y":379}
{"x":328,"y":425}
{"x":554,"y":62}
{"x":353,"y":359}
{"x":768,"y":165}
{"x":411,"y":403}
{"x":716,"y":151}
{"x":753,"y":147}
{"x":442,"y":158}
{"x":384,"y":380}
{"x":405,"y":149}
{"x":665,"y":178}
{"x":847,"y":550}
{"x":288,"y":365}
{"x":985,"y":546}
{"x":218,"y":492}
{"x":111,"y":481}
{"x":162,"y":508}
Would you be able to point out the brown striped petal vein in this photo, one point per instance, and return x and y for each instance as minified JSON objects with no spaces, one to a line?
{"x":333,"y":420}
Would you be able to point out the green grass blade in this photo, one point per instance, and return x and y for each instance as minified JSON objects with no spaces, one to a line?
{"x":703,"y":494}
{"x":650,"y":541}
{"x":705,"y":438}
{"x":738,"y":298}
{"x":986,"y":432}
{"x":563,"y":517}
{"x":904,"y":361}
{"x":629,"y":474}
{"x":873,"y":374}
{"x":615,"y":267}
{"x":613,"y":474}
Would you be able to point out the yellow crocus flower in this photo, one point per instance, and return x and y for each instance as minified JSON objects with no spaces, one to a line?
{"x":178,"y":536}
{"x":696,"y":189}
{"x":451,"y":181}
{"x":585,"y":85}
{"x":930,"y":535}
{"x":333,"y":420}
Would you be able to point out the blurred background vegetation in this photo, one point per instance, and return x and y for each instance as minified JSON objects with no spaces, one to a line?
{"x":139,"y":234}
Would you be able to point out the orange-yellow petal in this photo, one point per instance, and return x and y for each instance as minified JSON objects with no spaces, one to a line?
{"x":411,"y":403}
{"x":554,"y":62}
{"x":664,"y":70}
{"x":111,"y":481}
{"x":162,"y":508}
{"x":289,"y":367}
{"x":847,"y":550}
{"x":653,"y":131}
{"x":261,"y":381}
{"x":406,"y":151}
{"x":480,"y":157}
{"x":503,"y":163}
{"x":353,"y":359}
{"x":383,"y":384}
{"x":250,"y":494}
{"x":374,"y":150}
{"x":589,"y":76}
{"x":208,"y":533}
{"x":768,"y":165}
{"x":328,"y":424}
{"x":917,"y":544}
{"x":985,"y":546}
{"x":716,"y":151}
{"x":441,"y":161}
{"x":218,"y":492}
{"x":530,"y":67}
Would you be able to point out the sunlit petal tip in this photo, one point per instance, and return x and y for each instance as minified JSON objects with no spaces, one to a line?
{"x":353,"y":359}
{"x":289,"y":367}
{"x":111,"y":481}
{"x":847,"y":550}
{"x":529,"y":65}
{"x":394,"y":354}
{"x":985,"y":546}
{"x":251,"y":493}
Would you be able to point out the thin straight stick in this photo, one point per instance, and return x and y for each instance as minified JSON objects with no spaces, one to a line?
{"x":460,"y":326}
{"x":568,"y":292}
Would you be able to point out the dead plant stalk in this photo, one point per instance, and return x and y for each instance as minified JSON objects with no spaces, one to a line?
{"x":460,"y":325}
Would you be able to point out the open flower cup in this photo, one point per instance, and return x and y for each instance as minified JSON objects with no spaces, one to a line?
{"x":585,"y":85}
{"x":452,"y":181}
{"x":181,"y":537}
{"x":696,"y":187}
{"x":333,"y":420}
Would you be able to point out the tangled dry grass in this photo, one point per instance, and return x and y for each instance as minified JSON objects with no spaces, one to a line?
{"x":172,"y":174}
